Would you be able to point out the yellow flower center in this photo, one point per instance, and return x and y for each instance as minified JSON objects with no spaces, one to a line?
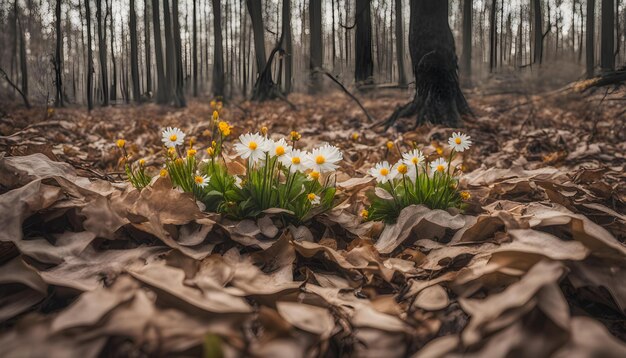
{"x":198,"y":179}
{"x":390,"y":145}
{"x":402,"y":169}
{"x":314,"y":175}
{"x":163,"y":172}
{"x":280,"y":150}
{"x":311,"y":196}
{"x":364,"y":214}
{"x":439,"y":150}
{"x":142,"y":162}
{"x":295,"y":160}
{"x":441,"y":168}
{"x":252,"y":145}
{"x":384,"y":172}
{"x":173,"y":138}
{"x":415,"y":160}
{"x":320,"y":159}
{"x":457,"y":140}
{"x":121,"y":143}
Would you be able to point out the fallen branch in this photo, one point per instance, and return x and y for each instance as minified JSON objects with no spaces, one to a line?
{"x":329,"y":75}
{"x":6,"y":77}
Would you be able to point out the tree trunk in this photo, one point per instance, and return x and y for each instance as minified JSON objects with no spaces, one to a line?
{"x":590,"y":38}
{"x":23,"y":62}
{"x":194,"y":60}
{"x":162,"y":92}
{"x":90,"y":70}
{"x":363,"y":62}
{"x":256,"y":16}
{"x":180,"y":78}
{"x":148,"y":52}
{"x":538,"y":32}
{"x":316,"y":50}
{"x":102,"y":51}
{"x":466,"y":57}
{"x":607,"y":36}
{"x":134,"y":57}
{"x":438,"y":98}
{"x":58,"y":60}
{"x":286,"y":18}
{"x":493,"y":47}
{"x":218,"y":50}
{"x":400,"y":44}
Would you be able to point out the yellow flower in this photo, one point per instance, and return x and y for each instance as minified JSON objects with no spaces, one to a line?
{"x":403,"y":169}
{"x":191,"y":152}
{"x":163,"y":173}
{"x":213,"y":104}
{"x":142,"y":162}
{"x":311,"y":196}
{"x":120,"y":143}
{"x":364,"y":214}
{"x":355,"y":136}
{"x":439,"y":150}
{"x":210,"y":151}
{"x":465,"y":195}
{"x":264,"y":130}
{"x":179,"y":161}
{"x":224,"y":128}
{"x":213,"y":144}
{"x":171,"y":151}
{"x":314,"y":175}
{"x":295,"y":136}
{"x":216,"y":116}
{"x":192,"y":141}
{"x":389,"y":145}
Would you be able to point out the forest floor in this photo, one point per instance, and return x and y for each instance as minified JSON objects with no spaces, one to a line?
{"x":535,"y":266}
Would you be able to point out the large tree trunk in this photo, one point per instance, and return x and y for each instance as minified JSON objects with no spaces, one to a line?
{"x":316,"y":53}
{"x":466,"y":57}
{"x":162,"y":86}
{"x":102,"y":51}
{"x":607,"y":36}
{"x":438,"y":99}
{"x":23,"y":61}
{"x":180,"y":78}
{"x":538,"y":32}
{"x":170,"y":53}
{"x":134,"y":57}
{"x":58,"y":60}
{"x":256,"y":16}
{"x":400,"y":44}
{"x":89,"y":57}
{"x":288,"y":42}
{"x":218,"y":50}
{"x":363,"y":62}
{"x":194,"y":60}
{"x":147,"y":51}
{"x":590,"y":38}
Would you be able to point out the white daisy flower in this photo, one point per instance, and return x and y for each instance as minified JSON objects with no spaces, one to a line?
{"x":252,"y":146}
{"x":313,"y":198}
{"x":323,"y":159}
{"x":460,"y":142}
{"x":202,"y":180}
{"x":401,"y":168}
{"x":294,"y":160}
{"x":173,"y":137}
{"x":439,"y":166}
{"x":383,"y":172}
{"x":279,"y":148}
{"x":238,"y":181}
{"x":413,"y":158}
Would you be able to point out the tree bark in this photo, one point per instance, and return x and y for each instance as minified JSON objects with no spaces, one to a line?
{"x":400,"y":44}
{"x":438,"y":99}
{"x":134,"y":57}
{"x":162,"y":96}
{"x":148,"y":51}
{"x":179,"y":98}
{"x":102,"y":51}
{"x":286,"y":19}
{"x":590,"y":38}
{"x":23,"y":61}
{"x":538,"y":32}
{"x":194,"y":60}
{"x":493,"y":47}
{"x":89,"y":58}
{"x":316,"y":50}
{"x":58,"y":60}
{"x":218,"y":50}
{"x":256,"y":17}
{"x":607,"y":36}
{"x":363,"y":62}
{"x":466,"y":57}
